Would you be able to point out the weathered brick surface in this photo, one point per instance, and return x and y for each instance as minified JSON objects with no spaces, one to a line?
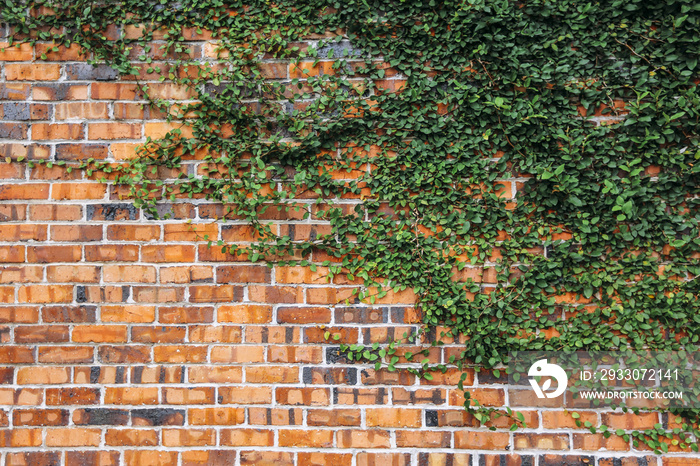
{"x":127,"y":341}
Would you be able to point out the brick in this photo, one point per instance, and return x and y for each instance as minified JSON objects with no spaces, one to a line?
{"x":208,"y":457}
{"x":19,"y":314}
{"x":52,"y":212}
{"x":100,"y":417}
{"x":481,"y":440}
{"x":188,"y":274}
{"x":541,"y":441}
{"x":109,"y":253}
{"x":72,"y":396}
{"x":169,"y":253}
{"x":82,"y":111}
{"x":21,"y":274}
{"x":76,"y":232}
{"x":215,"y":374}
{"x":276,"y":294}
{"x":32,"y":72}
{"x":42,"y":375}
{"x":45,"y":294}
{"x":99,"y":333}
{"x":73,"y":273}
{"x":133,"y":233}
{"x":306,"y":396}
{"x":151,"y":458}
{"x":303,"y":315}
{"x":393,"y":417}
{"x":237,"y":354}
{"x":272,"y":374}
{"x":245,"y":314}
{"x":180,"y":354}
{"x":334,"y":417}
{"x":86,"y":72}
{"x":245,"y":395}
{"x":188,"y":437}
{"x":131,"y":437}
{"x":76,"y":437}
{"x":216,"y":416}
{"x":16,"y":52}
{"x":422,"y":439}
{"x":24,"y":191}
{"x":34,"y":458}
{"x":376,"y":459}
{"x":185,"y":396}
{"x":59,"y":92}
{"x":40,"y":417}
{"x":20,"y":438}
{"x":66,"y":354}
{"x":57,"y":131}
{"x":131,"y":395}
{"x":459,"y":459}
{"x":277,"y":458}
{"x":243,"y":274}
{"x":103,"y":458}
{"x":374,"y":438}
{"x":247,"y":437}
{"x":114,"y":131}
{"x":129,"y":274}
{"x":158,"y":417}
{"x":72,"y":314}
{"x":115,"y":91}
{"x":130,"y":354}
{"x":597,"y":442}
{"x":81,"y":151}
{"x":63,"y":191}
{"x":62,"y":53}
{"x":11,"y":254}
{"x":21,"y":397}
{"x":44,"y":254}
{"x":306,"y":438}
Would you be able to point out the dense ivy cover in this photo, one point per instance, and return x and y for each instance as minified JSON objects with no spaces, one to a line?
{"x":592,"y":106}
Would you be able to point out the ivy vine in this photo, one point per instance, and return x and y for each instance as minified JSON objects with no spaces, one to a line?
{"x":406,"y":128}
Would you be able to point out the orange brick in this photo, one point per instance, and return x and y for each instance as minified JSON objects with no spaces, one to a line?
{"x":114,"y":91}
{"x":45,"y":294}
{"x":185,"y":396}
{"x":151,"y":458}
{"x":216,"y":416}
{"x":114,"y":131}
{"x":306,"y":438}
{"x":16,"y":355}
{"x":237,"y":354}
{"x":247,"y":437}
{"x":15,"y":192}
{"x":99,"y":333}
{"x":81,"y":111}
{"x":78,"y":191}
{"x":129,"y":274}
{"x":56,"y":131}
{"x":188,"y":274}
{"x":133,"y":232}
{"x":73,"y":437}
{"x":245,"y":314}
{"x":66,"y":354}
{"x":128,"y":313}
{"x":16,"y":52}
{"x":169,"y":253}
{"x":20,"y":438}
{"x":215,"y":374}
{"x":188,"y":437}
{"x":32,"y":72}
{"x":131,"y":395}
{"x":375,"y":438}
{"x":541,"y":441}
{"x":272,"y":374}
{"x":481,"y":440}
{"x":55,"y":212}
{"x":73,"y":273}
{"x":76,"y":232}
{"x":131,"y":437}
{"x":42,"y":375}
{"x":393,"y":417}
{"x":245,"y":395}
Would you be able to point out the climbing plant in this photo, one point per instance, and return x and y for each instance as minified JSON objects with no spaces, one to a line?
{"x":409,"y":124}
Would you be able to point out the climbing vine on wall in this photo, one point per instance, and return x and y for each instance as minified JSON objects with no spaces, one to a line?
{"x":409,"y":123}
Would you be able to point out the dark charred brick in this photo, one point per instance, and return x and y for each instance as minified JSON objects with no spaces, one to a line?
{"x":101,"y":417}
{"x":112,"y":212}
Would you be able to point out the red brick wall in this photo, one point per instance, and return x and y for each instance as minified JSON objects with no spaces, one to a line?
{"x":127,"y":341}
